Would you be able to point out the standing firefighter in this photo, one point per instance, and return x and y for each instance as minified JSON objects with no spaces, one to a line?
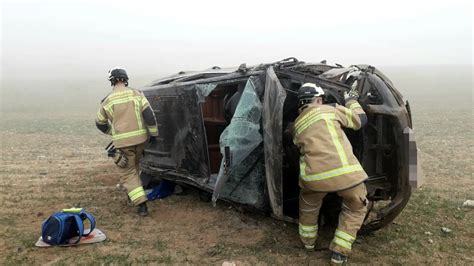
{"x":327,"y":164}
{"x":126,"y":115}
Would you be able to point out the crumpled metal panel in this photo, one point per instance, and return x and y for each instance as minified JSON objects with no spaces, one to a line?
{"x":337,"y":72}
{"x":273,"y":100}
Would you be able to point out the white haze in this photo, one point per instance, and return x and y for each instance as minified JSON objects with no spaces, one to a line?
{"x":49,"y":40}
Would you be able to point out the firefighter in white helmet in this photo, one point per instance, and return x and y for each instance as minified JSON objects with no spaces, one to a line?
{"x":126,"y":115}
{"x":327,"y":164}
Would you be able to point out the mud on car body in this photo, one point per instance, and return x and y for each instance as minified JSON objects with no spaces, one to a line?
{"x":226,"y":132}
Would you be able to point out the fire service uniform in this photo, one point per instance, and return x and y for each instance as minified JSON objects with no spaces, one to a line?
{"x":126,"y":115}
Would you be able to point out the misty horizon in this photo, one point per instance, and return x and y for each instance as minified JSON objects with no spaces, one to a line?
{"x":50,"y":38}
{"x":58,"y":53}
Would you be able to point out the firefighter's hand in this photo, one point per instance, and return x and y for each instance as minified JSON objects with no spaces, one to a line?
{"x":351,"y":95}
{"x":111,"y":152}
{"x":152,"y":140}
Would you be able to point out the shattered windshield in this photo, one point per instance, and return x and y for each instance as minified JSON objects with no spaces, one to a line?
{"x":243,"y":135}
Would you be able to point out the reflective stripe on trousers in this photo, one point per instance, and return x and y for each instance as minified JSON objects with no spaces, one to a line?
{"x":136,"y":193}
{"x":343,"y":239}
{"x":308,"y":231}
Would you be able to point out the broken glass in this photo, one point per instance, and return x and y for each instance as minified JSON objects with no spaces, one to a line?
{"x":242,"y":135}
{"x":203,"y":90}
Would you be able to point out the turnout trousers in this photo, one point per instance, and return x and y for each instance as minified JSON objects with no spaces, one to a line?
{"x":129,"y":176}
{"x":354,"y":209}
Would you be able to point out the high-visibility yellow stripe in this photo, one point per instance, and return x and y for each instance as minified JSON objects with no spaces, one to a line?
{"x":125,"y":97}
{"x":349,"y":114}
{"x":311,"y":120}
{"x":328,"y":174}
{"x":337,"y":143}
{"x":101,"y":118}
{"x":116,"y":95}
{"x":119,"y":101}
{"x":109,"y":109}
{"x":144,"y":101}
{"x":308,"y":123}
{"x":344,"y":235}
{"x":342,"y":243}
{"x":305,"y":118}
{"x":101,"y":122}
{"x":136,"y":103}
{"x":354,"y":106}
{"x":128,"y":134}
{"x":308,"y":231}
{"x":308,"y":235}
{"x":153,"y":129}
{"x":115,"y":100}
{"x":308,"y":228}
{"x":118,"y":98}
{"x":75,"y":210}
{"x":136,"y":193}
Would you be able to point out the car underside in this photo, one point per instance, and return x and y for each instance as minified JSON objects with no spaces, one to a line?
{"x":227,"y":133}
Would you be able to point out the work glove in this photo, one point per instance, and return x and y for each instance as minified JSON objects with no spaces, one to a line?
{"x":351,"y":95}
{"x":111,"y":152}
{"x":120,"y":159}
{"x":152,"y":140}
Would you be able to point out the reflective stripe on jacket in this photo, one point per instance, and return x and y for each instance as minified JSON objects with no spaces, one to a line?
{"x":327,"y":162}
{"x":122,"y":115}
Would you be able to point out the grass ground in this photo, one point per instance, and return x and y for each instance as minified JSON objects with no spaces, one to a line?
{"x":53,"y":161}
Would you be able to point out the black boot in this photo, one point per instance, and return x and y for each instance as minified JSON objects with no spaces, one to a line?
{"x":338,"y":258}
{"x":142,"y":209}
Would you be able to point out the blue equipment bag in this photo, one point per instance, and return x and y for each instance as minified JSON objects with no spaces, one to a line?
{"x":64,"y":225}
{"x":163,"y":190}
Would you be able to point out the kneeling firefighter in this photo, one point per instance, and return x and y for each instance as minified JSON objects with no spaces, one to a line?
{"x":126,"y":115}
{"x":327,"y":164}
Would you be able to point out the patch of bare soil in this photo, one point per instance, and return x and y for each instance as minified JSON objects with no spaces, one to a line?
{"x":48,"y":166}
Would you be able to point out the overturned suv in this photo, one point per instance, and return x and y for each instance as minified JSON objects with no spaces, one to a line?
{"x":227,"y":132}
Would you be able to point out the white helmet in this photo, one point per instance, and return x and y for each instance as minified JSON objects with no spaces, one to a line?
{"x":307,"y":92}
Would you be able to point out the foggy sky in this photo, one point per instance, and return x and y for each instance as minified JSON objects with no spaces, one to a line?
{"x":48,"y":38}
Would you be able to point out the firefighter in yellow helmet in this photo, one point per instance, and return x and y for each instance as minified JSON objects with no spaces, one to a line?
{"x":327,"y":164}
{"x":126,"y":115}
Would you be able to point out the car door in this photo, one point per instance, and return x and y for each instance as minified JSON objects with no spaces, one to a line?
{"x":240,"y":139}
{"x":181,"y":149}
